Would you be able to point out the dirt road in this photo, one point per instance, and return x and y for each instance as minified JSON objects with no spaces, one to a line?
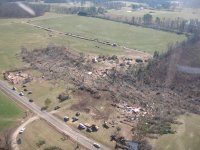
{"x":14,"y":144}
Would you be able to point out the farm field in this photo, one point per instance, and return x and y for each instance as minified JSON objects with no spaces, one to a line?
{"x":144,"y":39}
{"x":33,"y":134}
{"x":185,"y":13}
{"x":15,"y":34}
{"x":187,"y":136}
{"x":9,"y":112}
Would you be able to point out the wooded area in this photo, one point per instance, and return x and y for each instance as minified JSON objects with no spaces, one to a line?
{"x":13,"y":10}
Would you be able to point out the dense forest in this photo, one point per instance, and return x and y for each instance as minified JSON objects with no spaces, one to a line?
{"x":176,"y":25}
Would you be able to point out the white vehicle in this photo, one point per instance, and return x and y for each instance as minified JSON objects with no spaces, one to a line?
{"x":21,"y":131}
{"x":14,"y":88}
{"x":96,"y":145}
{"x":21,"y":94}
{"x":81,"y":126}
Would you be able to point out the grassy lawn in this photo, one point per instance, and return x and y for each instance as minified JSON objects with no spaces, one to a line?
{"x":46,"y":90}
{"x":144,"y":39}
{"x":13,"y":36}
{"x":33,"y":134}
{"x":9,"y":112}
{"x":186,"y":138}
{"x":102,"y":135}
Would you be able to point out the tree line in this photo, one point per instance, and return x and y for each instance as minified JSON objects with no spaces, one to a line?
{"x":164,"y":4}
{"x":82,"y":11}
{"x":12,"y":9}
{"x":97,"y":3}
{"x":112,"y":5}
{"x":177,"y":25}
{"x":55,"y":1}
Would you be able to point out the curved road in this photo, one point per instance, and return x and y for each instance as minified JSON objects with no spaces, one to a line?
{"x":58,"y":124}
{"x":14,"y":144}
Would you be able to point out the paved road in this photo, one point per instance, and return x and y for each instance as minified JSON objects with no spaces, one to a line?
{"x":58,"y":124}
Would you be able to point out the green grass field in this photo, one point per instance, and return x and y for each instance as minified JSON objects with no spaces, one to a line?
{"x":47,"y":89}
{"x":186,"y":138}
{"x":9,"y":112}
{"x":15,"y":34}
{"x":130,"y":36}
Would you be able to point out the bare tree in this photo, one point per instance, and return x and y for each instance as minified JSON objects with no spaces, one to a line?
{"x":5,"y":141}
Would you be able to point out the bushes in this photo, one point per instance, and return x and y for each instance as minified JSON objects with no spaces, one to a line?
{"x":63,"y":96}
{"x":40,"y":143}
{"x":155,"y":126}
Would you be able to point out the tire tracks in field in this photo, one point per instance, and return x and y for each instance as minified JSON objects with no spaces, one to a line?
{"x":103,"y":42}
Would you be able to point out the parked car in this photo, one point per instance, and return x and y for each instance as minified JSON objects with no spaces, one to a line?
{"x":96,"y":145}
{"x":43,"y":108}
{"x":78,"y":114}
{"x":30,"y":100}
{"x":81,"y":126}
{"x":30,"y":92}
{"x":21,"y":94}
{"x":66,"y":119}
{"x":56,"y":108}
{"x":74,"y":119}
{"x":21,"y":131}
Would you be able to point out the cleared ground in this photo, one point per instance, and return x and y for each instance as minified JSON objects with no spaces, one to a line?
{"x":130,"y":36}
{"x":33,"y":134}
{"x":186,"y":138}
{"x":9,"y":112}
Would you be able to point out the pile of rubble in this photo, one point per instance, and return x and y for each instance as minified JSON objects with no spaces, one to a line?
{"x":17,"y":77}
{"x":131,"y":112}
